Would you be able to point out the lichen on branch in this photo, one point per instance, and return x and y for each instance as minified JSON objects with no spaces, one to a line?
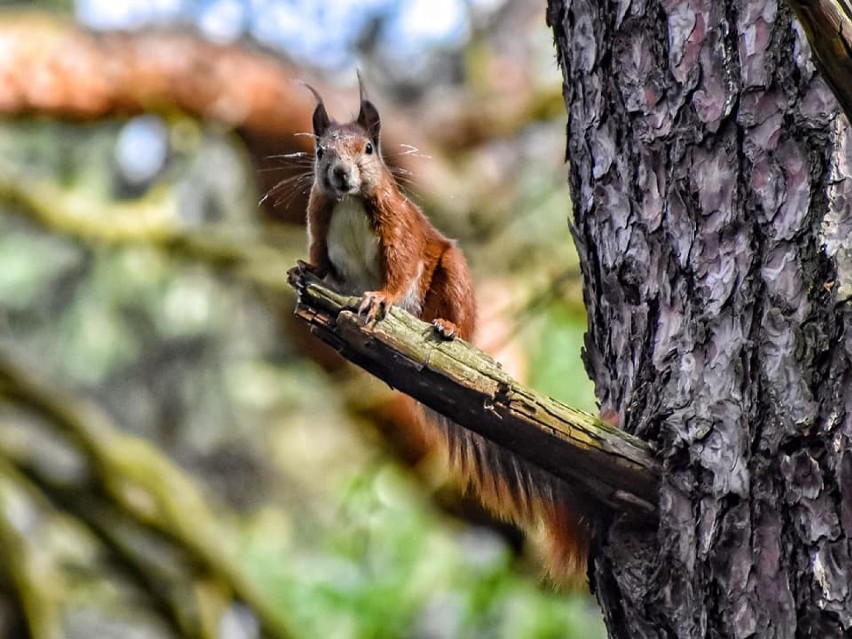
{"x":616,"y":470}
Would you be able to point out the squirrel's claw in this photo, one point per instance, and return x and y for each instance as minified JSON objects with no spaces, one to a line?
{"x":445,"y":328}
{"x":374,"y":305}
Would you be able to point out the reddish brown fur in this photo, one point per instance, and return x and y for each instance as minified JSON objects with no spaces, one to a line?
{"x":409,"y":245}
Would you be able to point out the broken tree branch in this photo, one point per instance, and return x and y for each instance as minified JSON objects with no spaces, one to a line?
{"x":468,"y":386}
{"x":828,"y":26}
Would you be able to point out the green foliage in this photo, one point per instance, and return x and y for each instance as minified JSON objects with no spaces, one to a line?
{"x":388,"y":568}
{"x":557,"y":370}
{"x":30,"y":261}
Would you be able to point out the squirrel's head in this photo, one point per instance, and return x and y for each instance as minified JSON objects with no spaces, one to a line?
{"x":348,"y":161}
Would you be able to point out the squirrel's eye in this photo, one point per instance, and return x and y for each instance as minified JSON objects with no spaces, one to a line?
{"x":369,"y":148}
{"x":319,"y":153}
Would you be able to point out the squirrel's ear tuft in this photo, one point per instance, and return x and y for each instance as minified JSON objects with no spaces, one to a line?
{"x":368,"y":115}
{"x":369,"y":120}
{"x":320,"y":119}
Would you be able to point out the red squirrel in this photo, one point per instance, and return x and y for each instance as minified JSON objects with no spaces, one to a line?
{"x":367,"y":238}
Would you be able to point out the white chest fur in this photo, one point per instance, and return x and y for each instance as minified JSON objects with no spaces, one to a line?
{"x":353,"y":246}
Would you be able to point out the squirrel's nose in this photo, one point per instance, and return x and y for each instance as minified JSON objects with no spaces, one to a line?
{"x":340,"y":178}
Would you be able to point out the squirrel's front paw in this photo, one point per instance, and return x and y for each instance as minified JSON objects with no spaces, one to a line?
{"x":374,"y":305}
{"x":445,"y":328}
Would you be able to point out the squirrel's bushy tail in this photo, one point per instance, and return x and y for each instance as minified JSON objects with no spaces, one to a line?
{"x":516,"y":491}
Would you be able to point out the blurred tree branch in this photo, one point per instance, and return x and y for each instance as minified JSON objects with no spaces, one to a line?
{"x":86,"y":75}
{"x":35,"y":584}
{"x":141,"y":485}
{"x":53,"y":67}
{"x":161,"y":575}
{"x":617,"y":470}
{"x":60,"y":209}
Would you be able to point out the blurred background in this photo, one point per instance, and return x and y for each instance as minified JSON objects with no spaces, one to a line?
{"x":179,"y":458}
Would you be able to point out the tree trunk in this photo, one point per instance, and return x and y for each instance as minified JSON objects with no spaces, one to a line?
{"x":710,"y":174}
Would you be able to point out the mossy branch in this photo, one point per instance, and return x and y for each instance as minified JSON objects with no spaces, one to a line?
{"x":140,"y":484}
{"x":615,"y":469}
{"x":163,"y":573}
{"x":250,"y":255}
{"x":35,"y":579}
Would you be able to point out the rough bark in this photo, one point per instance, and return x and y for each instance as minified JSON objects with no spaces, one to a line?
{"x":710,"y":174}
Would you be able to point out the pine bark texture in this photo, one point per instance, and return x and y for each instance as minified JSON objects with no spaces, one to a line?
{"x":710,"y":173}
